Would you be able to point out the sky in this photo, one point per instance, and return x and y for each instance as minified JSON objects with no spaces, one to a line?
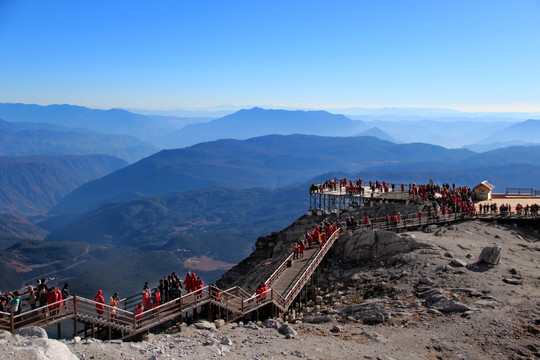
{"x":466,"y":55}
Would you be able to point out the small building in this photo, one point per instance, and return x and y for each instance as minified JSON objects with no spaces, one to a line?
{"x":483,"y":190}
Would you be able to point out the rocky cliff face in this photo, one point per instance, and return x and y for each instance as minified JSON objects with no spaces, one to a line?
{"x":271,"y":250}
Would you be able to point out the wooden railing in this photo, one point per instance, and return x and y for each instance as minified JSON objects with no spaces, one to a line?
{"x":272,"y":278}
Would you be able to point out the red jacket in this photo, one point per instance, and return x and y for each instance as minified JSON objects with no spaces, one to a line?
{"x":146,"y":301}
{"x":99,"y":302}
{"x":138,"y":312}
{"x":51,"y":299}
{"x":59,"y":297}
{"x":187,"y":283}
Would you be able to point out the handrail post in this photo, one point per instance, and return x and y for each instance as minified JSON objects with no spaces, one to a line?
{"x":75,"y":315}
{"x":12,"y":322}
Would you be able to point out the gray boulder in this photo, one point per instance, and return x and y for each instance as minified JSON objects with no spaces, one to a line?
{"x":336,"y":329}
{"x":226,"y":341}
{"x":271,"y":323}
{"x":440,"y":232}
{"x":319,"y":319}
{"x":490,"y":255}
{"x":438,"y":300}
{"x":286,"y":329}
{"x":458,"y":263}
{"x":205,"y":325}
{"x":33,"y":331}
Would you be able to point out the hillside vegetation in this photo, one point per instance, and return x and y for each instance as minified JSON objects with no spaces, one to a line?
{"x":32,"y":185}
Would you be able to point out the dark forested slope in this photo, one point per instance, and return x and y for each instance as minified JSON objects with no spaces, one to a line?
{"x":268,"y":161}
{"x":32,"y":185}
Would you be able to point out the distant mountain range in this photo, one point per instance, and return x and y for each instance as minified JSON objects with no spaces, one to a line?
{"x":28,"y":139}
{"x":113,"y":121}
{"x":180,"y":128}
{"x":255,"y":122}
{"x":32,"y":185}
{"x":526,"y":132}
{"x":378,"y":133}
{"x":268,"y":161}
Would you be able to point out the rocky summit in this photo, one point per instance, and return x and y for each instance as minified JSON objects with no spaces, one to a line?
{"x":469,"y":290}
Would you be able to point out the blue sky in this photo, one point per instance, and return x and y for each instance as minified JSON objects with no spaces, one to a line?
{"x":468,"y":55}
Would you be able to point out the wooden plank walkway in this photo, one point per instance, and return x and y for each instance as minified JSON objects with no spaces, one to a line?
{"x":283,"y":284}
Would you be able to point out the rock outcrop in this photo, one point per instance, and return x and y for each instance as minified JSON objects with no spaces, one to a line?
{"x":370,"y":245}
{"x":490,"y":255}
{"x":33,"y":344}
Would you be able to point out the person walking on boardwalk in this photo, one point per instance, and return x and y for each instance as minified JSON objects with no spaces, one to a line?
{"x":261,"y":291}
{"x":15,"y":302}
{"x":32,"y":297}
{"x":51,"y":300}
{"x":138,"y":313}
{"x":113,"y":303}
{"x":100,"y":301}
{"x":65,"y":291}
{"x":146,"y":299}
{"x":199,"y":286}
{"x":59,"y":297}
{"x":302,"y":248}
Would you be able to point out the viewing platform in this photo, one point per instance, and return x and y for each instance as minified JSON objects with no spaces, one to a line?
{"x":342,"y":197}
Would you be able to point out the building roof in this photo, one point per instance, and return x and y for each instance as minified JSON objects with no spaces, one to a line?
{"x":486,"y":184}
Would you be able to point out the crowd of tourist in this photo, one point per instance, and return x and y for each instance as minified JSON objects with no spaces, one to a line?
{"x":50,"y":299}
{"x":319,"y":233}
{"x":356,"y":186}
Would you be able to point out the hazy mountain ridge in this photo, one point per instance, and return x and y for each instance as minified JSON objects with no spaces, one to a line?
{"x":32,"y":185}
{"x":42,"y":139}
{"x":443,"y":127}
{"x":268,"y":161}
{"x":113,"y":121}
{"x":249,"y":123}
{"x":526,"y":131}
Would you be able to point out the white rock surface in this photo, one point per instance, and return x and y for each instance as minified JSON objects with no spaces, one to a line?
{"x":31,"y":347}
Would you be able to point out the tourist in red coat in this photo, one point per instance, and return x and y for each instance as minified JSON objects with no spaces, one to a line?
{"x":99,"y":302}
{"x":146,"y":299}
{"x":138,"y":312}
{"x":199,"y":286}
{"x":51,"y":299}
{"x":59,"y":296}
{"x":187,"y":282}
